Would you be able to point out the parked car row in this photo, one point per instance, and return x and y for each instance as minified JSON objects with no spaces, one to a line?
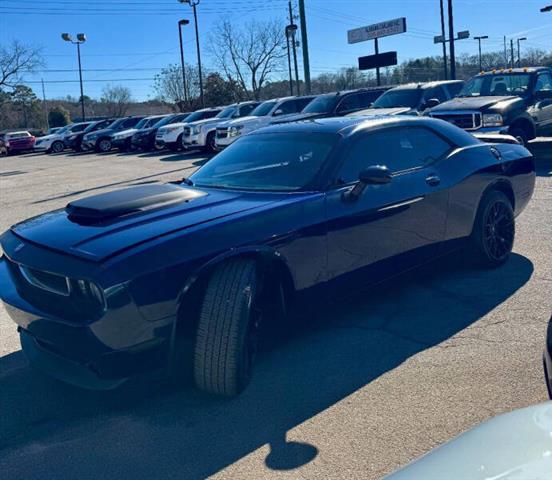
{"x":516,"y":102}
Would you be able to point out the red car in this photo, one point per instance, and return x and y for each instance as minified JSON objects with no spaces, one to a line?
{"x":16,"y":142}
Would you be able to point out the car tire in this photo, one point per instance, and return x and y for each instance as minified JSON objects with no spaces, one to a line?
{"x":227,"y":333}
{"x":104,"y":145}
{"x":179,"y":143}
{"x":210,"y":143}
{"x":520,"y":135}
{"x":57,"y":147}
{"x":494,"y":230}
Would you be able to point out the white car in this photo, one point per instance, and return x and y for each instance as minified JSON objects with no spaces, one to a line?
{"x":266,"y":113}
{"x":55,"y":142}
{"x":514,"y":446}
{"x":123,"y":139}
{"x":201,"y":134}
{"x":170,"y":136}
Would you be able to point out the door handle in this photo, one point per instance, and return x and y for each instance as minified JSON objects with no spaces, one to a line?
{"x":433,"y":180}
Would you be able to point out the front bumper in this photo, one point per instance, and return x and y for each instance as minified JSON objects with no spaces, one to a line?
{"x":98,"y":353}
{"x":74,"y":144}
{"x":41,"y":146}
{"x":121,"y":142}
{"x":146,"y":142}
{"x":88,"y":144}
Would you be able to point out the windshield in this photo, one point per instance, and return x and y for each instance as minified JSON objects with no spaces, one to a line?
{"x":263,"y":109}
{"x":163,"y":121}
{"x":399,"y":98}
{"x":117,"y":123}
{"x":497,"y":85}
{"x":227,"y":112}
{"x":322,"y":104}
{"x":268,"y":162}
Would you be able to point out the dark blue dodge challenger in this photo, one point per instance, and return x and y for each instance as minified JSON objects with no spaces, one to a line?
{"x":136,"y":279}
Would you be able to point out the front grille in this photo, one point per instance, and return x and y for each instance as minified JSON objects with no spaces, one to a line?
{"x":222,"y":132}
{"x":467,"y":121}
{"x":46,"y":281}
{"x":187,"y":131}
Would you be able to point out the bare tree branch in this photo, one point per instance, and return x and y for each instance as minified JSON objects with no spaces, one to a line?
{"x":117,"y":99}
{"x":17,"y":59}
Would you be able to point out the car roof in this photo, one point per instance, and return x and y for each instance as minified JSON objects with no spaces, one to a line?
{"x":426,"y":85}
{"x":346,"y":126}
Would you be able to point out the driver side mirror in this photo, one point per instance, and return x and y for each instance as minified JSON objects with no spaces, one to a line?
{"x":278,"y":112}
{"x":373,"y":175}
{"x":431,"y":103}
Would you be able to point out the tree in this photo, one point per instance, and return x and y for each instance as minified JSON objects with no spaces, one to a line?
{"x":116,"y":100}
{"x":249,"y":55}
{"x":219,"y":91}
{"x":26,"y":102}
{"x":58,"y":117}
{"x":169,"y":86}
{"x":17,"y":59}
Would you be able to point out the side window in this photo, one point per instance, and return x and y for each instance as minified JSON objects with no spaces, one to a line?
{"x":454,"y":89}
{"x":78,"y":128}
{"x":544,"y":83}
{"x":349,"y":104}
{"x":399,"y":149}
{"x":246,"y":109}
{"x":287,"y":107}
{"x":130,"y":123}
{"x":437,"y":93}
{"x":303,"y":102}
{"x":367,"y":98}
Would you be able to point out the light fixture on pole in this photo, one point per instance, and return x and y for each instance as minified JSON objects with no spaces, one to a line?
{"x":484,"y":37}
{"x":291,"y":31}
{"x":519,"y":40}
{"x":546,"y":9}
{"x":182,"y":23}
{"x":194,"y":4}
{"x":81,"y":38}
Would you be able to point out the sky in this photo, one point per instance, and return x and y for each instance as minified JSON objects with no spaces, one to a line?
{"x":130,"y":41}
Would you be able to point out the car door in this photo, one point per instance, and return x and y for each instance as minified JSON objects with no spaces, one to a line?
{"x":542,"y":109}
{"x":390,"y":227}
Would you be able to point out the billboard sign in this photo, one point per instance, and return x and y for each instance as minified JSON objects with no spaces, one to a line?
{"x":380,"y":60}
{"x":377,"y":30}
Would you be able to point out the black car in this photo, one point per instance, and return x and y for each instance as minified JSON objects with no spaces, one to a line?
{"x":337,"y":104}
{"x":145,"y":139}
{"x":548,"y":359}
{"x":74,"y":141}
{"x":187,"y":274}
{"x":413,"y":98}
{"x":516,"y":102}
{"x":100,"y":140}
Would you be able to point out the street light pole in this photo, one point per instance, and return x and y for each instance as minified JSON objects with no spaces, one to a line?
{"x":81,"y":38}
{"x":289,"y":64}
{"x":291,"y":31}
{"x":194,"y":4}
{"x":519,"y":40}
{"x":444,"y":34}
{"x":484,"y":37}
{"x":181,"y":23}
{"x":451,"y":36}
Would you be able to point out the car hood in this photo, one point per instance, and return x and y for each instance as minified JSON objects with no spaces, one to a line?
{"x":52,"y":136}
{"x":172,"y":125}
{"x":297,"y":117}
{"x":472,"y":103}
{"x":513,"y":446}
{"x":101,"y":226}
{"x":103,"y":131}
{"x":207,"y":121}
{"x":126,"y":133}
{"x":383,"y":111}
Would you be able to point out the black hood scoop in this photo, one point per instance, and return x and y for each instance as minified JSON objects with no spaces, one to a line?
{"x":106,"y":207}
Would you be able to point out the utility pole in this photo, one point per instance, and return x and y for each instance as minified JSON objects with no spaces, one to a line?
{"x":289,"y":63}
{"x":444,"y":34}
{"x":292,"y":33}
{"x":505,"y":53}
{"x":484,"y":37}
{"x":181,"y":23}
{"x":44,"y":109}
{"x":81,"y":38}
{"x":451,"y":36}
{"x":305,"y":44}
{"x":194,"y":4}
{"x":378,"y":75}
{"x":519,"y":40}
{"x":512,"y":64}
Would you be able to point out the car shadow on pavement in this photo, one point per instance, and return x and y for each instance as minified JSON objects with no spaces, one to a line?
{"x":143,"y":431}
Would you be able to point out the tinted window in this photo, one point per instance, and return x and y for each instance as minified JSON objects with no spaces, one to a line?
{"x":279,"y":162}
{"x":437,"y":93}
{"x":79,"y":128}
{"x":322,"y":104}
{"x":227,"y":112}
{"x":398,"y":148}
{"x":263,"y":109}
{"x":497,"y":85}
{"x":403,"y":97}
{"x":302,"y":103}
{"x":247,"y":109}
{"x":454,"y":89}
{"x":131,"y":122}
{"x":350,"y":103}
{"x":367,"y":98}
{"x":287,"y":108}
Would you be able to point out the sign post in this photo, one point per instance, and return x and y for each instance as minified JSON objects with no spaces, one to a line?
{"x":374,"y":32}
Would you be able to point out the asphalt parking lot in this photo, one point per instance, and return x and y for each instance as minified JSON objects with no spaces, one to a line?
{"x":357,"y":392}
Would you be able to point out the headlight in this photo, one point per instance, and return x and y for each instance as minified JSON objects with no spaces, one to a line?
{"x":493,"y":120}
{"x":235,"y":131}
{"x":196,"y":130}
{"x":1,"y":251}
{"x":169,"y":129}
{"x":88,"y":292}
